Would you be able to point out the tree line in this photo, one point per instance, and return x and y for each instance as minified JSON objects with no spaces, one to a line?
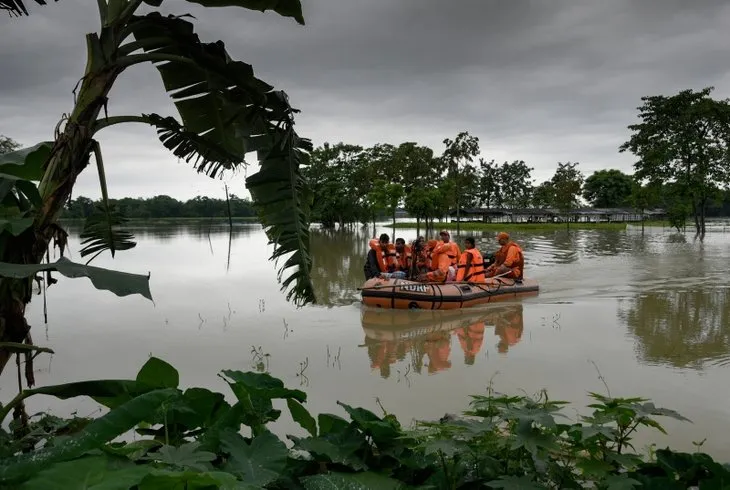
{"x":682,"y":166}
{"x":165,"y":207}
{"x":354,"y":184}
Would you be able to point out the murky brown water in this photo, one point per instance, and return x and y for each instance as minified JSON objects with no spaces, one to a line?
{"x":649,"y":311}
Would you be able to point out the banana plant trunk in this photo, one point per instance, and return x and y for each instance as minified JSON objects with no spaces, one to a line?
{"x":69,"y":156}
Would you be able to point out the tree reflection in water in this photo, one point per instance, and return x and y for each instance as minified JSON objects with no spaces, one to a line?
{"x":393,"y":335}
{"x":684,"y":329}
{"x":337,"y":265}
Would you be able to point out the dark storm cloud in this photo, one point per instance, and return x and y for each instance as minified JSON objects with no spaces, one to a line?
{"x":535,"y":80}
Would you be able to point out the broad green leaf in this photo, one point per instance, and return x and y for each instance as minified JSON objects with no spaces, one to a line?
{"x":594,"y":467}
{"x":264,"y":385}
{"x":255,"y":391}
{"x":230,"y":419}
{"x":340,"y":447}
{"x":105,"y":428}
{"x":26,"y":163}
{"x":448,"y":447}
{"x":185,"y":457}
{"x":302,"y":416}
{"x":330,"y":423}
{"x":351,"y":481}
{"x":159,"y":374}
{"x":674,"y":462}
{"x":590,"y":431}
{"x":15,"y":226}
{"x":119,"y":283}
{"x":134,"y":450}
{"x":382,"y":431}
{"x":189,"y":480}
{"x":25,"y":197}
{"x":516,"y":483}
{"x":286,"y":8}
{"x":90,"y":473}
{"x":109,"y":392}
{"x":621,"y":482}
{"x":198,"y":408}
{"x":260,"y":463}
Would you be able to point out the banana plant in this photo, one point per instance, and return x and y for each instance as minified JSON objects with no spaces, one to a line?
{"x":224,"y":111}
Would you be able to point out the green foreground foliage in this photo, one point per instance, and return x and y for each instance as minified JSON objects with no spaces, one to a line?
{"x":192,"y":439}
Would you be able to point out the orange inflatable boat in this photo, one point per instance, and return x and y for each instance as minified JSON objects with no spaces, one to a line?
{"x":403,"y":294}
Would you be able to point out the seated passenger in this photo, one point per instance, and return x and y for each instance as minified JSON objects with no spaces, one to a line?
{"x":471,"y":263}
{"x":381,"y":257}
{"x":509,"y":260}
{"x":403,"y":256}
{"x":440,"y":263}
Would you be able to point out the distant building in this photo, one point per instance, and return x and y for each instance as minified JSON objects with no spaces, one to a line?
{"x":548,"y":215}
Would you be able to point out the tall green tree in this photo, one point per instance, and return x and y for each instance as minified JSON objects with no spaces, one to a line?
{"x":459,"y":152}
{"x":516,"y":184}
{"x":341,"y":177}
{"x":608,"y":188}
{"x":567,"y":183}
{"x":225,"y":112}
{"x":490,"y":185}
{"x":684,"y":139}
{"x":644,"y":197}
{"x":544,"y":195}
{"x":417,"y":165}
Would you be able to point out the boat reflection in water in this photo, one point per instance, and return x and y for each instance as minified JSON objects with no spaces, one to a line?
{"x":426,"y":335}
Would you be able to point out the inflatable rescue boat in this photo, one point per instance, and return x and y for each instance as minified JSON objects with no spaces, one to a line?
{"x":403,"y":294}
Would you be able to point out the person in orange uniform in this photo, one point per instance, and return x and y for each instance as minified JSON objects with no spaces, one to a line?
{"x":451,"y":249}
{"x":445,"y":247}
{"x":381,"y":257}
{"x":471,"y":263}
{"x":439,"y":267}
{"x":509,"y":260}
{"x":403,"y":256}
{"x":420,"y":252}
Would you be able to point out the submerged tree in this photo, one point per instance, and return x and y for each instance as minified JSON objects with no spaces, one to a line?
{"x":225,"y":112}
{"x":608,"y":188}
{"x":490,"y":184}
{"x":543,"y":196}
{"x":516,"y":184}
{"x":567,"y":183}
{"x":684,"y":139}
{"x":459,"y":152}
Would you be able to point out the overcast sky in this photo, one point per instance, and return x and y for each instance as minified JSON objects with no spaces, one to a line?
{"x":538,"y":80}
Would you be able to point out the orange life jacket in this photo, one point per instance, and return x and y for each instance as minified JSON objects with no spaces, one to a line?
{"x":428,"y":255}
{"x":476,"y":268}
{"x":405,"y":259}
{"x":518,"y":267}
{"x":386,"y":258}
{"x":450,"y":249}
{"x":441,"y":271}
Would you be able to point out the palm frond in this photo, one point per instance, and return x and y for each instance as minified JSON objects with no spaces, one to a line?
{"x":207,"y":156}
{"x":284,"y":202}
{"x":227,"y":112}
{"x":17,"y":7}
{"x":286,"y":8}
{"x":102,"y":231}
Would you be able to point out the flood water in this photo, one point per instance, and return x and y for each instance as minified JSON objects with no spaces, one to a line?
{"x":649,"y":311}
